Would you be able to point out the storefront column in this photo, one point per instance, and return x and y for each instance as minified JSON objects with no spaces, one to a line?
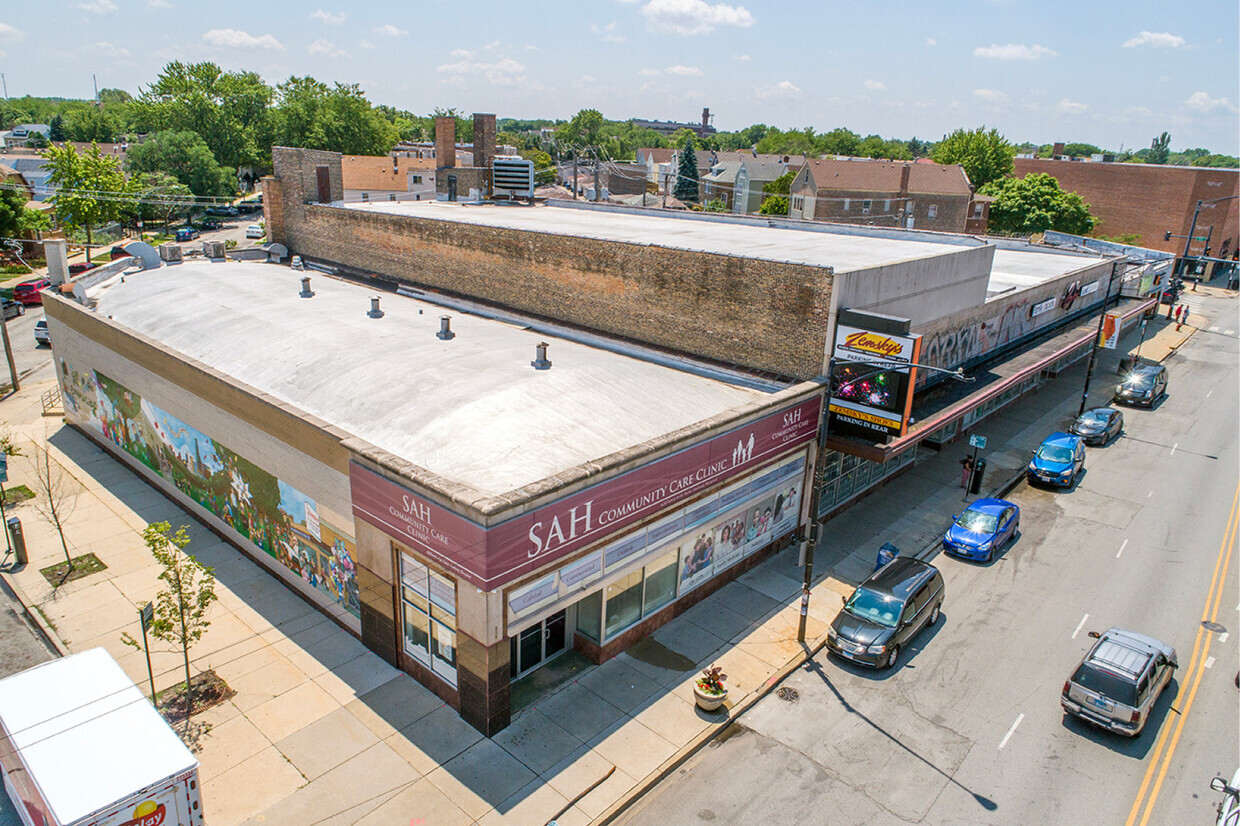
{"x":378,"y":619}
{"x":483,"y":674}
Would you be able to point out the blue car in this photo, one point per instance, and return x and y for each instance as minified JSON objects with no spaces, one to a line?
{"x":983,"y":528}
{"x":1058,"y":460}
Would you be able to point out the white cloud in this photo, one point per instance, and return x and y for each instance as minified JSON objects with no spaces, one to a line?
{"x":930,"y":41}
{"x":1071,"y":107}
{"x":688,"y":17}
{"x":530,"y":47}
{"x":461,"y":54}
{"x":782,"y":90}
{"x":608,"y":33}
{"x":98,"y":6}
{"x":875,"y":85}
{"x":741,"y":57}
{"x":648,"y":72}
{"x":1139,"y":111}
{"x":1160,"y":39}
{"x":990,"y":95}
{"x":326,"y":48}
{"x":105,"y":49}
{"x":328,"y":17}
{"x":159,"y":4}
{"x":1014,"y":51}
{"x":504,"y":72}
{"x":686,"y":71}
{"x":366,"y":44}
{"x":10,"y":33}
{"x":390,"y":30}
{"x":1202,"y":102}
{"x":241,"y":40}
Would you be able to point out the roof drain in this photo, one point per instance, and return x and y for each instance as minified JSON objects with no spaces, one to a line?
{"x":306,"y":292}
{"x":540,"y":361}
{"x":375,"y":312}
{"x":445,"y":328}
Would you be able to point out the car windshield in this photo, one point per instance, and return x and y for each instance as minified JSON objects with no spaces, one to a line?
{"x":1140,"y":380}
{"x":1055,"y":453}
{"x":882,"y":609}
{"x":1093,"y":417}
{"x":978,"y":522}
{"x":1111,"y":686}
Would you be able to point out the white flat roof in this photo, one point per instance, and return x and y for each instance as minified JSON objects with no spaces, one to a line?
{"x":818,"y":247}
{"x":87,"y":734}
{"x":472,"y":410}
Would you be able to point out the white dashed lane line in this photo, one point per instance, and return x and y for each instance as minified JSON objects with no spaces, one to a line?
{"x":1008,"y":736}
{"x":1173,"y":448}
{"x":1079,"y":626}
{"x":1120,"y":551}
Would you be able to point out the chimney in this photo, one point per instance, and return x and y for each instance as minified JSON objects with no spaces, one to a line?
{"x":445,"y":328}
{"x":1057,"y":149}
{"x":540,"y":361}
{"x":904,"y":173}
{"x":705,"y":119}
{"x":484,"y":148}
{"x":445,"y":142}
{"x":306,"y":292}
{"x":375,"y":312}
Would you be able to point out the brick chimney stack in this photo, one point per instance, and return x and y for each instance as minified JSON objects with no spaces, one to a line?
{"x":484,"y":140}
{"x":1057,"y":149}
{"x":904,"y":173}
{"x":445,"y":142}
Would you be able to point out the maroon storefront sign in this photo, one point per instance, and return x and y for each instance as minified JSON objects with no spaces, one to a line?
{"x":491,"y":558}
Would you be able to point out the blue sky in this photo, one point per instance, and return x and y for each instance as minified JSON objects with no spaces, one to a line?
{"x":1106,"y":73}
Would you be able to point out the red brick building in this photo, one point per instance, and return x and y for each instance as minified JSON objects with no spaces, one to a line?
{"x":885,"y":193}
{"x":1150,"y":200}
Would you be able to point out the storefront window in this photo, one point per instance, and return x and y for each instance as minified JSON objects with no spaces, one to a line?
{"x":624,"y":602}
{"x":660,"y":582}
{"x":590,"y":616}
{"x":417,"y":626}
{"x":428,"y":603}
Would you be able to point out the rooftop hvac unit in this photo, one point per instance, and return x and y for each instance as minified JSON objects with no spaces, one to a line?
{"x":513,"y":176}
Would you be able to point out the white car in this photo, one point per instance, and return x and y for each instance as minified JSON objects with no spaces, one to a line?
{"x":1229,"y":806}
{"x":255,"y":231}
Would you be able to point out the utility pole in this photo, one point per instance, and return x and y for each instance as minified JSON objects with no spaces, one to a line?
{"x":1093,"y":351}
{"x":574,"y":174}
{"x":8,"y":352}
{"x":597,"y":192}
{"x":811,"y":539}
{"x":94,"y":79}
{"x":6,"y":87}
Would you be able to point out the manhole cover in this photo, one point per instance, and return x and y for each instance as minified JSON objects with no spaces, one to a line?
{"x":787,"y":694}
{"x":1213,"y":627}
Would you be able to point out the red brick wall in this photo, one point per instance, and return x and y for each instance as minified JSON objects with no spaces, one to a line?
{"x":950,"y":214}
{"x":1148,"y":199}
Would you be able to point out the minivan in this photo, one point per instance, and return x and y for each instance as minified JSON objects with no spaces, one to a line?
{"x":886,"y":612}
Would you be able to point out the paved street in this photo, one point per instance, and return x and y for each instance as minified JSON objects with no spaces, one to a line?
{"x":968,"y":729}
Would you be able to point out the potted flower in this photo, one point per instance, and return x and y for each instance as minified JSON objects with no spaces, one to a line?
{"x":709,"y":690}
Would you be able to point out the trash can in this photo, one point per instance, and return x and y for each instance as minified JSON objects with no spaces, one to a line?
{"x":979,"y":470}
{"x":885,"y":554}
{"x":18,"y":539}
{"x":1125,"y":365}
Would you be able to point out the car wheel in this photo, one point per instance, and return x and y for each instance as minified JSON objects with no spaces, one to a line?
{"x":892,"y":657}
{"x":934,"y":616}
{"x":21,"y":309}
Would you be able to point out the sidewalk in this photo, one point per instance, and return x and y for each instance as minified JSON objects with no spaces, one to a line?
{"x":323,"y":731}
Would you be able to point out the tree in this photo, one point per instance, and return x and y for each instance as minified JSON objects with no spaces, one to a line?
{"x":36,"y":141}
{"x":1081,"y":150}
{"x":715,"y":205}
{"x":55,"y":494}
{"x":181,"y":606}
{"x":56,"y":130}
{"x":585,"y":128}
{"x":90,"y":188}
{"x":313,"y":115}
{"x":90,"y":123}
{"x":16,"y":221}
{"x":985,"y":155}
{"x":774,"y":205}
{"x":185,"y":156}
{"x":161,"y":197}
{"x":1160,"y":149}
{"x":686,"y":188}
{"x":1035,"y":203}
{"x":838,"y":141}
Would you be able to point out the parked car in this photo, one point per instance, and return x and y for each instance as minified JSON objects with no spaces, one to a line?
{"x":226,"y":211}
{"x":12,"y":308}
{"x":255,"y":231}
{"x":886,"y":611}
{"x":1146,"y":384}
{"x":1058,"y":460}
{"x":210,"y":224}
{"x":982,"y":528}
{"x":1119,"y":680}
{"x":1099,"y":426}
{"x":1229,"y":807}
{"x":118,"y":252}
{"x":187,"y":234}
{"x":30,"y":292}
{"x":41,"y":333}
{"x":247,"y":207}
{"x":80,"y":267}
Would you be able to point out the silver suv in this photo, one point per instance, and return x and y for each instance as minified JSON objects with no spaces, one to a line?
{"x":1119,"y":680}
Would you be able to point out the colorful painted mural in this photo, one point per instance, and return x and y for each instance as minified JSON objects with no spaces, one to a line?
{"x":270,"y":513}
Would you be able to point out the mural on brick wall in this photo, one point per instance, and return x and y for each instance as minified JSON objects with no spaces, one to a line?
{"x":275,"y":516}
{"x":952,"y":347}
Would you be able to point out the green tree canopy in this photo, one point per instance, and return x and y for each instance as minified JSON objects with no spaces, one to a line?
{"x":162,"y":197}
{"x":16,"y":221}
{"x":90,"y":187}
{"x":686,"y":188}
{"x":985,"y":155}
{"x":187,"y":158}
{"x":781,"y":185}
{"x":1160,"y":149}
{"x":313,"y":115}
{"x":1035,"y":203}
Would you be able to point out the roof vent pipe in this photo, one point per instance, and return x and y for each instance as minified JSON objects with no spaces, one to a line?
{"x":445,"y":328}
{"x":375,"y":312}
{"x":540,"y":361}
{"x":306,"y":292}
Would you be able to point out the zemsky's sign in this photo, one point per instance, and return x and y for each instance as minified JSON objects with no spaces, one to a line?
{"x":491,"y":557}
{"x":871,"y":393}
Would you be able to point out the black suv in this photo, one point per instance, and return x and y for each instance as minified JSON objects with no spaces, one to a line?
{"x":886,"y":612}
{"x":1146,"y":384}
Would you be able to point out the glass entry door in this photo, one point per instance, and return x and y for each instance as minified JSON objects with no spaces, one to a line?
{"x":538,"y":643}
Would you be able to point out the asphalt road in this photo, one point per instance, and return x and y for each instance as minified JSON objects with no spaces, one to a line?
{"x":968,"y":729}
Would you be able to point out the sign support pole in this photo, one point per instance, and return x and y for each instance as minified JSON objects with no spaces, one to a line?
{"x":145,"y":614}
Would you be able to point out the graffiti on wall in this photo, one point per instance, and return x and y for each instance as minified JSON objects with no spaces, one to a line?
{"x":950,"y":348}
{"x":276,"y":517}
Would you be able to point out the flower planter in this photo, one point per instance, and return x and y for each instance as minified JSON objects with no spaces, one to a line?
{"x":709,"y":702}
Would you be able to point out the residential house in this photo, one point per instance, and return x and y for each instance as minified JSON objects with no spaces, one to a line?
{"x":719,"y":182}
{"x":36,"y":172}
{"x":388,"y":178}
{"x":21,"y":134}
{"x":883,"y":193}
{"x":755,"y":171}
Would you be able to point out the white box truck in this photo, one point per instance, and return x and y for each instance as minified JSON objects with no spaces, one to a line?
{"x":80,"y":745}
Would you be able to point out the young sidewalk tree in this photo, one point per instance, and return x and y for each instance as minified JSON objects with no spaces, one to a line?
{"x":181,"y":607}
{"x":55,"y":497}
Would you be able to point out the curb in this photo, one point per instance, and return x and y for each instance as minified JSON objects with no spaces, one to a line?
{"x":34,"y":616}
{"x":695,"y":745}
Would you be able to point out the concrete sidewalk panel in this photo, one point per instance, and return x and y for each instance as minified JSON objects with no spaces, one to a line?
{"x":347,"y":682}
{"x":326,"y":743}
{"x":434,"y":739}
{"x":746,"y":601}
{"x":536,"y":741}
{"x":249,"y":787}
{"x":777,"y":580}
{"x":420,"y":802}
{"x":675,"y":719}
{"x":480,"y":778}
{"x":228,"y":744}
{"x":579,"y":711}
{"x":534,"y":804}
{"x":266,"y":683}
{"x":633,"y":747}
{"x":718,"y":618}
{"x":621,"y":685}
{"x":394,"y":705}
{"x":292,"y":711}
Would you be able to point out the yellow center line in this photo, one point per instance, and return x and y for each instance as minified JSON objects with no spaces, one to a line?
{"x":1170,"y":735}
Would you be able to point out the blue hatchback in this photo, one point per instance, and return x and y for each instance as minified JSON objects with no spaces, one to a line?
{"x":984,"y":527}
{"x":1058,"y":460}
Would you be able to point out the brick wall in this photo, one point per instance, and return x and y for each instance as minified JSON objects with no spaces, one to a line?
{"x":950,"y":210}
{"x":1149,"y":199}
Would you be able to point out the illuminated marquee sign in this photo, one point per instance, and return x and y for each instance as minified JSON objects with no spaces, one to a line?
{"x":866,"y":400}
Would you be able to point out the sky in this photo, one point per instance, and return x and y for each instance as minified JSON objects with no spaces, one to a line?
{"x":1107,"y":73}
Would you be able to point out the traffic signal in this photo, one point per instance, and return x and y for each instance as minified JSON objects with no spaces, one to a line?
{"x":1167,"y":235}
{"x":1206,"y":252}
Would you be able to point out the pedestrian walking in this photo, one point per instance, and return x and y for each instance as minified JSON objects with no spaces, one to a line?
{"x":966,"y":471}
{"x":1184,"y":318}
{"x":1179,"y":308}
